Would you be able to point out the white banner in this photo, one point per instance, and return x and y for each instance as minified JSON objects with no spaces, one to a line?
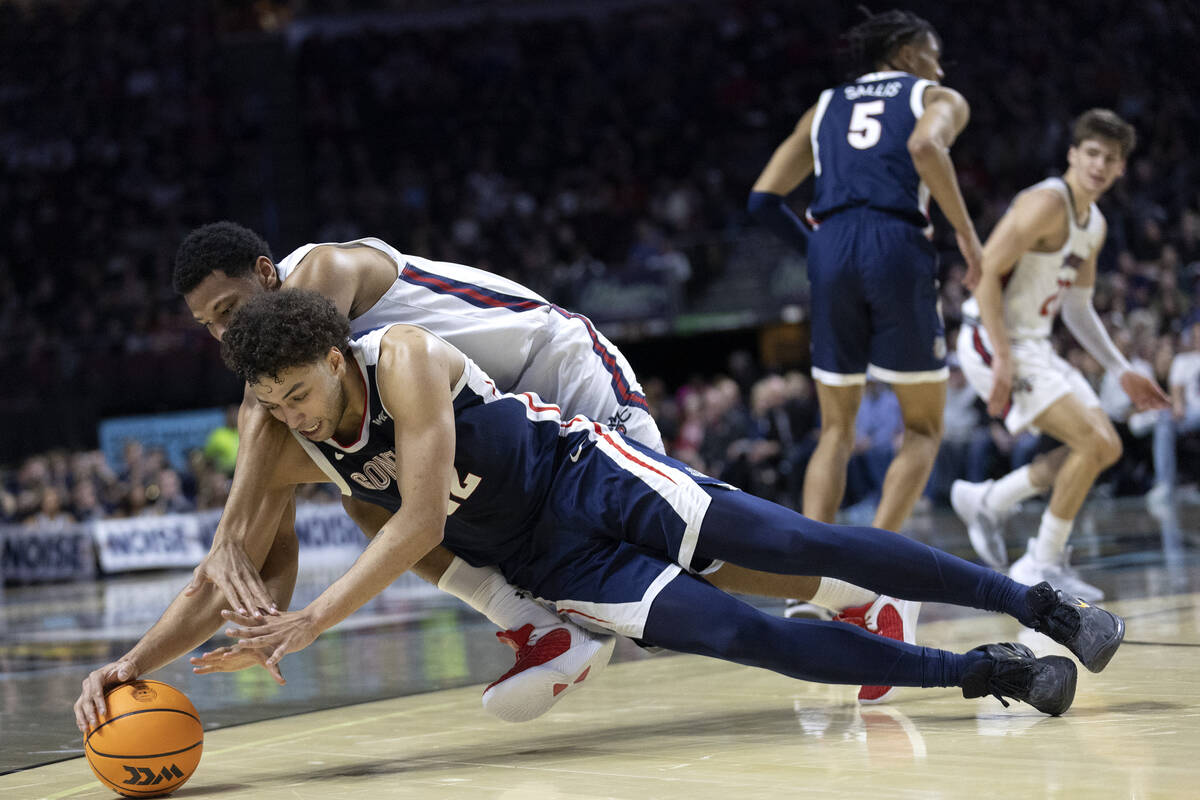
{"x":34,"y":554}
{"x":172,"y":540}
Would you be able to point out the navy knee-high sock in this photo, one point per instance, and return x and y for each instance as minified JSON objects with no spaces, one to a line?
{"x":751,"y":532}
{"x":692,"y":616}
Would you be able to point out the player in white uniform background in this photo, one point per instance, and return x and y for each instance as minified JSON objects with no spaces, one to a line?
{"x":1039,"y":261}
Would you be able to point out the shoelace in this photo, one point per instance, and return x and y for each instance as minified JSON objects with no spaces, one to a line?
{"x":1002,"y":680}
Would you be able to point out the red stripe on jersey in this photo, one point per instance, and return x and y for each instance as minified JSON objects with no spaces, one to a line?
{"x":630,"y":455}
{"x":529,"y":402}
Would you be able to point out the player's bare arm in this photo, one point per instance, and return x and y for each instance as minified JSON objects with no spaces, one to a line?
{"x":187,"y":623}
{"x":245,"y":532}
{"x":946,"y":115}
{"x":792,"y":161}
{"x":1033,"y":222}
{"x":1085,"y":325}
{"x":415,"y":372}
{"x":790,"y":165}
{"x":354,"y":277}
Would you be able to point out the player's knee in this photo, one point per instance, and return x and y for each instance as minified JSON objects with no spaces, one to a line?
{"x":1109,"y":444}
{"x":1102,"y":446}
{"x":737,"y":638}
{"x":928,"y":429}
{"x":839,"y":435}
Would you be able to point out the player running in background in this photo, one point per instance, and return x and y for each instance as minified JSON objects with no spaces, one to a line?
{"x":878,"y":149}
{"x":1040,"y":259}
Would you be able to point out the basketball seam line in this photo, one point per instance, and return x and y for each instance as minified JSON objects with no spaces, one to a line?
{"x":143,"y":711}
{"x":154,"y":755}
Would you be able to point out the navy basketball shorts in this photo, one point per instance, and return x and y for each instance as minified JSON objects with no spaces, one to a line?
{"x":875,"y":307}
{"x":620,"y":522}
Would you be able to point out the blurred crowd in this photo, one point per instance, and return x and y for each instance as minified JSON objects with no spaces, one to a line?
{"x":557,"y":150}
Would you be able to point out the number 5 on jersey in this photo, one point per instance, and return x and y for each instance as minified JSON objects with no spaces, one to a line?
{"x":865,"y":130}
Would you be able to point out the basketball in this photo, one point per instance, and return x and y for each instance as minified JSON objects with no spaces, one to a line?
{"x":149,"y":742}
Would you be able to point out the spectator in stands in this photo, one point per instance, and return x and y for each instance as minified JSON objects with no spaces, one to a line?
{"x":222,"y":444}
{"x":1182,"y":418}
{"x":51,"y":513}
{"x":1130,"y":475}
{"x":165,"y":494}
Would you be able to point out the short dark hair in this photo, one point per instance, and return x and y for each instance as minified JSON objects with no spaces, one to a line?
{"x":276,"y":331}
{"x":225,"y":246}
{"x":875,"y":41}
{"x":1100,"y":123}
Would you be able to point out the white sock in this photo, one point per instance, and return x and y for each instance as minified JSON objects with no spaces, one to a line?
{"x":488,"y":592}
{"x":1010,"y":490}
{"x":836,"y":595}
{"x":1052,"y":538}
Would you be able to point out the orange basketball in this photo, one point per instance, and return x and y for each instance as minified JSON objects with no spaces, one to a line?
{"x":149,"y":742}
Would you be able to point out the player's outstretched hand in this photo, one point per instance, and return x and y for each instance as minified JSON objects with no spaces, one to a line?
{"x":1145,"y":393}
{"x":231,"y":570}
{"x":277,"y":636}
{"x":224,"y":659}
{"x":90,"y":705}
{"x":972,"y":253}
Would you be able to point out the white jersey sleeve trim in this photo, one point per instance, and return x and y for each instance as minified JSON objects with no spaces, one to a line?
{"x":916,"y":100}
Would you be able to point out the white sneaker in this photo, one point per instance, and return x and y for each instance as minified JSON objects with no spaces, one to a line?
{"x":551,"y":662}
{"x":985,"y":527}
{"x":886,"y":616}
{"x":1030,"y":571}
{"x":804,"y":610}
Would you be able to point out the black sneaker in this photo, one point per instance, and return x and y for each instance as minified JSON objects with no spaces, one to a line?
{"x":1013,"y":671}
{"x":1090,"y":632}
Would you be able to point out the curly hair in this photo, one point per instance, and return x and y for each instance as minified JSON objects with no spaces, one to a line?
{"x":1100,"y":123}
{"x":275,"y":331}
{"x":874,"y":42}
{"x":224,"y":246}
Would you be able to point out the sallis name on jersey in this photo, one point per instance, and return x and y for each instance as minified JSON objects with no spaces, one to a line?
{"x":378,"y":474}
{"x":857,"y":90}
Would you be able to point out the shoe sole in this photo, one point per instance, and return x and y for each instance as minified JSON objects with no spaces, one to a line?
{"x":530,"y":694}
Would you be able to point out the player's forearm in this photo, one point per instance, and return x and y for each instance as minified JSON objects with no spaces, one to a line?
{"x":252,"y":503}
{"x":191,"y":621}
{"x":401,"y":543}
{"x":933,"y":164}
{"x":990,"y":297}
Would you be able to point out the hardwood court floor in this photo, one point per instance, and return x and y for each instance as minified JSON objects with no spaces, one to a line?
{"x":693,"y":728}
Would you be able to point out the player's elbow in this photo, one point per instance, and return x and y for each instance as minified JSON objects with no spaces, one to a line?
{"x":924,"y":150}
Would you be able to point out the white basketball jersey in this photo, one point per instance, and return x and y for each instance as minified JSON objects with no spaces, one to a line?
{"x":496,"y":321}
{"x":523,"y":341}
{"x":1033,"y":289}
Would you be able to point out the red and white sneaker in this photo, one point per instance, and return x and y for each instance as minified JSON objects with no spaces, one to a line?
{"x":551,"y":662}
{"x":886,"y":616}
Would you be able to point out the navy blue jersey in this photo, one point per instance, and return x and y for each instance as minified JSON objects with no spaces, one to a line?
{"x":860,"y":147}
{"x":504,"y":460}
